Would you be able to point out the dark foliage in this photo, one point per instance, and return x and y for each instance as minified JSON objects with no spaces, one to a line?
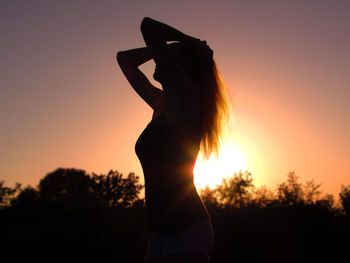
{"x":7,"y":193}
{"x":116,"y":190}
{"x":76,"y":217}
{"x":345,"y":199}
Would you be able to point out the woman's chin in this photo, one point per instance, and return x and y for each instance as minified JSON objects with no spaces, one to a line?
{"x":156,"y":78}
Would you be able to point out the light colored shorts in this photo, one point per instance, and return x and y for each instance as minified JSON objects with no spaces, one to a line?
{"x":197,"y":238}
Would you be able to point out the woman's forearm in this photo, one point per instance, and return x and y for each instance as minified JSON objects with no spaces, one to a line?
{"x":136,"y":56}
{"x":158,"y":31}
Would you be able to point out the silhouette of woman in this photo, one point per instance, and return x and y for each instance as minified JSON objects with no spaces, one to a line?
{"x":188,"y":113}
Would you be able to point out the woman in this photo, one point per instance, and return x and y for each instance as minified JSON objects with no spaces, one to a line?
{"x":188,"y":113}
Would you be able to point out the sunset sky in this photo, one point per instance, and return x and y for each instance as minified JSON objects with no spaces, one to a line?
{"x":64,"y":101}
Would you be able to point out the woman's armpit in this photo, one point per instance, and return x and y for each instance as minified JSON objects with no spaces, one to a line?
{"x":158,"y":106}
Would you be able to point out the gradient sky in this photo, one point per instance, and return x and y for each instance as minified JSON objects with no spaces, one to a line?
{"x":64,"y":102}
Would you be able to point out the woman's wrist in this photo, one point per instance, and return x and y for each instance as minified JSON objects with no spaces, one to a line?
{"x":136,"y":56}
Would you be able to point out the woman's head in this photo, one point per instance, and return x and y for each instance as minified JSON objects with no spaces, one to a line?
{"x":195,"y":60}
{"x":186,"y":58}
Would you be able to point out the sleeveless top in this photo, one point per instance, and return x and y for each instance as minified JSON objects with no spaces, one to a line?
{"x":167,"y":158}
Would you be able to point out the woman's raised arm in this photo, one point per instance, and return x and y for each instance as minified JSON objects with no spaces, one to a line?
{"x":156,"y":34}
{"x":178,"y":84}
{"x":136,"y":56}
{"x":129,"y":61}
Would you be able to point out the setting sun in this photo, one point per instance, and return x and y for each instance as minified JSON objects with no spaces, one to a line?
{"x":211,"y":172}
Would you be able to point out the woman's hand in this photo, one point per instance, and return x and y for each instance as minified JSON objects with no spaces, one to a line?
{"x":175,"y":48}
{"x":198,"y":46}
{"x":156,"y":34}
{"x":201,"y":48}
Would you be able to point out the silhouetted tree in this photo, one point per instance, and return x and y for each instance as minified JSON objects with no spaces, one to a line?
{"x":74,"y":187}
{"x":345,"y":198}
{"x":237,"y":190}
{"x":116,"y":190}
{"x":209,"y":197}
{"x":67,"y":187}
{"x":293,"y":192}
{"x":290,"y":192}
{"x":311,"y":192}
{"x":326,"y":202}
{"x":27,"y":197}
{"x":7,"y":193}
{"x":262,"y":197}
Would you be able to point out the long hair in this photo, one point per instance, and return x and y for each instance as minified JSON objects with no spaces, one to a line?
{"x":215,"y":106}
{"x":215,"y":109}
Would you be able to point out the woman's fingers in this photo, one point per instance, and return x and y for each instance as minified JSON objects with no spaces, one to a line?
{"x":204,"y":50}
{"x":199,"y":46}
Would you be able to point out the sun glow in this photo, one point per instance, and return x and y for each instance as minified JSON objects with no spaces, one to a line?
{"x":211,"y":172}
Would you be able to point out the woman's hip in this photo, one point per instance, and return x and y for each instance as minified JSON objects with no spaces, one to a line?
{"x":197,"y":238}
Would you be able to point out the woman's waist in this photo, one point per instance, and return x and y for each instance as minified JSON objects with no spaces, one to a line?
{"x":167,"y":194}
{"x":176,"y":213}
{"x":179,"y":201}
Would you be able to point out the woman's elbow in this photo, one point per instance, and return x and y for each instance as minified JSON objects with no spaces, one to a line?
{"x":120,"y":56}
{"x":146,"y":21}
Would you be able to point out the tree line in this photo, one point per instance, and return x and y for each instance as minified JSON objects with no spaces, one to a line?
{"x":75,"y":216}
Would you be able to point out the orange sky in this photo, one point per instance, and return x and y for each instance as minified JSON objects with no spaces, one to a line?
{"x":65,"y":103}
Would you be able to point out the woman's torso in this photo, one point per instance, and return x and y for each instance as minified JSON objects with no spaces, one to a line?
{"x":168,"y":155}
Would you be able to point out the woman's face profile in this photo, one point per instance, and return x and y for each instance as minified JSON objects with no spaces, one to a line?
{"x":156,"y":74}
